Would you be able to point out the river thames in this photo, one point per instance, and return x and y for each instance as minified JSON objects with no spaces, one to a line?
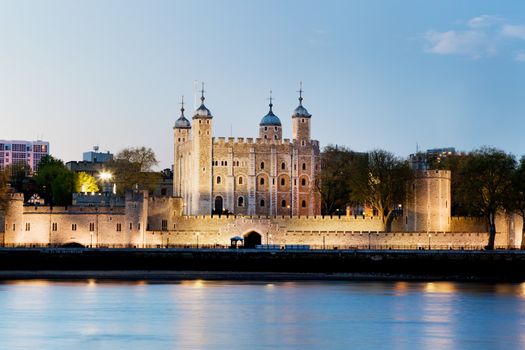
{"x":198,"y":314}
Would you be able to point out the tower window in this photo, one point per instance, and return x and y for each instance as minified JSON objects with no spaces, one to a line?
{"x":265,"y":137}
{"x":265,"y":128}
{"x":240,"y":180}
{"x":303,"y":182}
{"x":302,"y":120}
{"x":283,"y":203}
{"x":218,"y":179}
{"x":283,"y":165}
{"x":304,"y":165}
{"x":240,"y":201}
{"x":73,"y":227}
{"x":275,"y":128}
{"x":275,"y":137}
{"x":262,"y":181}
{"x":262,"y":203}
{"x":283,"y":182}
{"x":262,"y":165}
{"x":303,"y":204}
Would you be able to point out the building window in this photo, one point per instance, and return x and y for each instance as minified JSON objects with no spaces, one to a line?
{"x":73,"y":227}
{"x":218,"y":179}
{"x":283,"y":165}
{"x":28,"y":226}
{"x":265,"y":137}
{"x":54,"y":227}
{"x":119,"y":227}
{"x":14,"y":227}
{"x":304,"y":166}
{"x":275,"y":137}
{"x":283,"y":182}
{"x":283,"y":203}
{"x":138,"y":226}
{"x":262,"y":203}
{"x":91,"y":226}
{"x":130,"y":226}
{"x":275,"y":128}
{"x":265,"y":128}
{"x":163,"y":192}
{"x":164,"y":225}
{"x":262,"y":165}
{"x":240,"y":180}
{"x":262,"y":181}
{"x":240,"y":202}
{"x":303,"y":204}
{"x":303,"y":182}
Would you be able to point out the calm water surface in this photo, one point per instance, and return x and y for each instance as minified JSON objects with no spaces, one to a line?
{"x":261,"y":315}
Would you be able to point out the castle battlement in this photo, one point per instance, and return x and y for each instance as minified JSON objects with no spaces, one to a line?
{"x":233,"y":141}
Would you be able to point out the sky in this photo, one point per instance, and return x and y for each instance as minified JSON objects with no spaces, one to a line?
{"x":384,"y":74}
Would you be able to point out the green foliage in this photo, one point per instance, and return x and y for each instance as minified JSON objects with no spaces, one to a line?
{"x":55,"y":182}
{"x":483,"y":184}
{"x":85,"y":183}
{"x":517,"y":202}
{"x":334,"y":178}
{"x":4,"y":189}
{"x":131,"y":169}
{"x":381,"y":182}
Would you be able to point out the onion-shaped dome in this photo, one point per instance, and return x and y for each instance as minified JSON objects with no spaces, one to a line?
{"x":270,"y":119}
{"x":202,"y":111}
{"x":182,"y":122}
{"x":300,"y":111}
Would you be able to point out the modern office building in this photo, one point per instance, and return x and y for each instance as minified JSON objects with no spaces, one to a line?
{"x":17,"y":152}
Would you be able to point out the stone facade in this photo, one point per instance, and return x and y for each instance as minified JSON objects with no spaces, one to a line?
{"x":268,"y":175}
{"x":145,"y":221}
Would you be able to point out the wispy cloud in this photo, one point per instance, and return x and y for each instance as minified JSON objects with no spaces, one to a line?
{"x":481,"y":36}
{"x":520,"y":56}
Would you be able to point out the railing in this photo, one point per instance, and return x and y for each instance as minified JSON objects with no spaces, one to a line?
{"x":273,"y":247}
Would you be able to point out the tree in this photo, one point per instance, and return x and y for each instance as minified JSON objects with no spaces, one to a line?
{"x":55,"y":182}
{"x":517,"y":202}
{"x":143,"y":157}
{"x":132,"y":169}
{"x":381,"y":182}
{"x":4,"y":189}
{"x":85,"y":183}
{"x":334,"y":178}
{"x":484,"y":185}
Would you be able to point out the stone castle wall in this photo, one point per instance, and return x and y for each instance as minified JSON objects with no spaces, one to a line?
{"x":151,"y":221}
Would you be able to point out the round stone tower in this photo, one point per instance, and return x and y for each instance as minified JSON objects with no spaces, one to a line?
{"x":427,"y":208}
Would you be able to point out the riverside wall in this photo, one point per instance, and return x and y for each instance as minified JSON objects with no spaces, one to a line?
{"x":149,"y":221}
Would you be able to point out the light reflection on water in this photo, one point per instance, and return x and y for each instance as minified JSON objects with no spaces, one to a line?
{"x":202,"y":314}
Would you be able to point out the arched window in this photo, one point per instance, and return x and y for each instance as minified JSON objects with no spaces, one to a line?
{"x":262,"y":165}
{"x":283,"y":203}
{"x":283,"y":165}
{"x":275,"y":137}
{"x":303,"y":182}
{"x":262,"y":203}
{"x":303,"y":204}
{"x":218,"y":179}
{"x":261,"y":181}
{"x":304,"y":166}
{"x":240,"y":180}
{"x":240,"y":201}
{"x":283,"y":182}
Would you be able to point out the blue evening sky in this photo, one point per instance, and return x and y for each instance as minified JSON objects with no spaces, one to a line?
{"x":376,"y":74}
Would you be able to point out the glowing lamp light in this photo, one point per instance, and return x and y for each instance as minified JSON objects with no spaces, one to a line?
{"x":105,"y":176}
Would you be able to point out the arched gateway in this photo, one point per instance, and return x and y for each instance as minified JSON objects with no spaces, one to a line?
{"x":252,"y":239}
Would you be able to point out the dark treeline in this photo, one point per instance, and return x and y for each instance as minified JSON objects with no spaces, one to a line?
{"x":484,"y":182}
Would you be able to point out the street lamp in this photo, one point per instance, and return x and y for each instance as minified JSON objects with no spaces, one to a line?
{"x":91,"y":239}
{"x":429,"y":235}
{"x":289,"y":210}
{"x":106,"y":176}
{"x":197,"y":234}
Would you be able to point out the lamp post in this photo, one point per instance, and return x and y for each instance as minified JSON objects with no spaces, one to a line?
{"x":368,"y":240}
{"x":91,"y":239}
{"x":429,"y":235}
{"x":271,"y":241}
{"x":197,"y":234}
{"x":289,"y":210}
